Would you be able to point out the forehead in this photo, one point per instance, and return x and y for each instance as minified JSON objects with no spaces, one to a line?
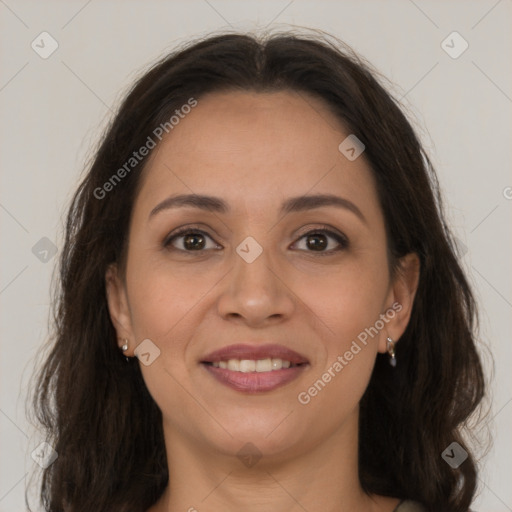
{"x":259,"y":146}
{"x":258,"y":125}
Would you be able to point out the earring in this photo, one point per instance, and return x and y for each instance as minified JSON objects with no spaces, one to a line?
{"x":391,"y":352}
{"x":124,"y":348}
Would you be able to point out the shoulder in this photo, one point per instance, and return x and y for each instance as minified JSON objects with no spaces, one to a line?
{"x":410,"y":506}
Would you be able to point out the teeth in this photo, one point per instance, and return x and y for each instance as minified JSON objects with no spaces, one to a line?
{"x":251,"y":365}
{"x":264,"y":365}
{"x":247,"y":365}
{"x":234,"y":365}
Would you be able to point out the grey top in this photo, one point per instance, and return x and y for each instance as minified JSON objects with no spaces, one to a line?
{"x":409,"y":506}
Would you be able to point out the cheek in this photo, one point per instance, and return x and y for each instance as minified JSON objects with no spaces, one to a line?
{"x":163,"y":295}
{"x":348,"y":300}
{"x":350,"y":307}
{"x":336,"y":390}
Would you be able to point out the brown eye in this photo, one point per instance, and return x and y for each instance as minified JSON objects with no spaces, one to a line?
{"x":188,"y":240}
{"x":318,"y":241}
{"x":193,"y":241}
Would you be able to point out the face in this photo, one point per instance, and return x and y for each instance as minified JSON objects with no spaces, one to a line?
{"x":260,"y":277}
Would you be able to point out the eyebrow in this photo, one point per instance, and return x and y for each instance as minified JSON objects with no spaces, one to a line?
{"x":290,"y":205}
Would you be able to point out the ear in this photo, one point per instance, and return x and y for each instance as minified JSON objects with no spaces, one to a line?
{"x":401,"y":298}
{"x":118,"y":308}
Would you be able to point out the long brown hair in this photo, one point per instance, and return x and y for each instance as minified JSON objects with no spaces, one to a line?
{"x":95,"y":407}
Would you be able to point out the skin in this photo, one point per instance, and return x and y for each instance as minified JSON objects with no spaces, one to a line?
{"x":254,"y":151}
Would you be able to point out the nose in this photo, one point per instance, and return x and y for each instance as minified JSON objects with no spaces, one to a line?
{"x":257,"y":293}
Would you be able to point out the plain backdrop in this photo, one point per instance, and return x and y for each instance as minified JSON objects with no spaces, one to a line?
{"x":53,"y":111}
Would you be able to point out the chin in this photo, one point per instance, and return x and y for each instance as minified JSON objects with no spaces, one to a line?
{"x":265,"y":435}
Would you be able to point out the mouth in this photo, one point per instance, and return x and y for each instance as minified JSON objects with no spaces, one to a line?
{"x":254,"y":369}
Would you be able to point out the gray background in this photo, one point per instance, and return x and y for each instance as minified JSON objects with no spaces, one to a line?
{"x":53,"y":111}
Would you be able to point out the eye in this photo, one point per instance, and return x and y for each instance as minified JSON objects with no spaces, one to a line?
{"x":318,"y":239}
{"x":189,"y":240}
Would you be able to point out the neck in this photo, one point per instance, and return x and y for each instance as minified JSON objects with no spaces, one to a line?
{"x":325,"y":477}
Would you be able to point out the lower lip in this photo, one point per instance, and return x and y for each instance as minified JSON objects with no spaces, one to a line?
{"x":255,"y":382}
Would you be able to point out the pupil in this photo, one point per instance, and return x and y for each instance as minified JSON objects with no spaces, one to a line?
{"x":319,"y":244}
{"x":190,"y":241}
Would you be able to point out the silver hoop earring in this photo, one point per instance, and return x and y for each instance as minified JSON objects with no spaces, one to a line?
{"x":391,"y":351}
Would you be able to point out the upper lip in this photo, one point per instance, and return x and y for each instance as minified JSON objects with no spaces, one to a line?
{"x":255,"y":352}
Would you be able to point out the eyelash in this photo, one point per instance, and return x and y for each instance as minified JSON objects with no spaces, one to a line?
{"x":324,"y":230}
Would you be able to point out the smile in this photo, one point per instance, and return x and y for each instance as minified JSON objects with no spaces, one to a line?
{"x":252,"y":365}
{"x":254,"y":369}
{"x":255,"y":381}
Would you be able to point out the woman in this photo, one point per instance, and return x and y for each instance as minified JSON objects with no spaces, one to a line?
{"x":260,"y":306}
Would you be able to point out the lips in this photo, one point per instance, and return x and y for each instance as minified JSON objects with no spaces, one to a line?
{"x":255,"y":353}
{"x":254,"y":369}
